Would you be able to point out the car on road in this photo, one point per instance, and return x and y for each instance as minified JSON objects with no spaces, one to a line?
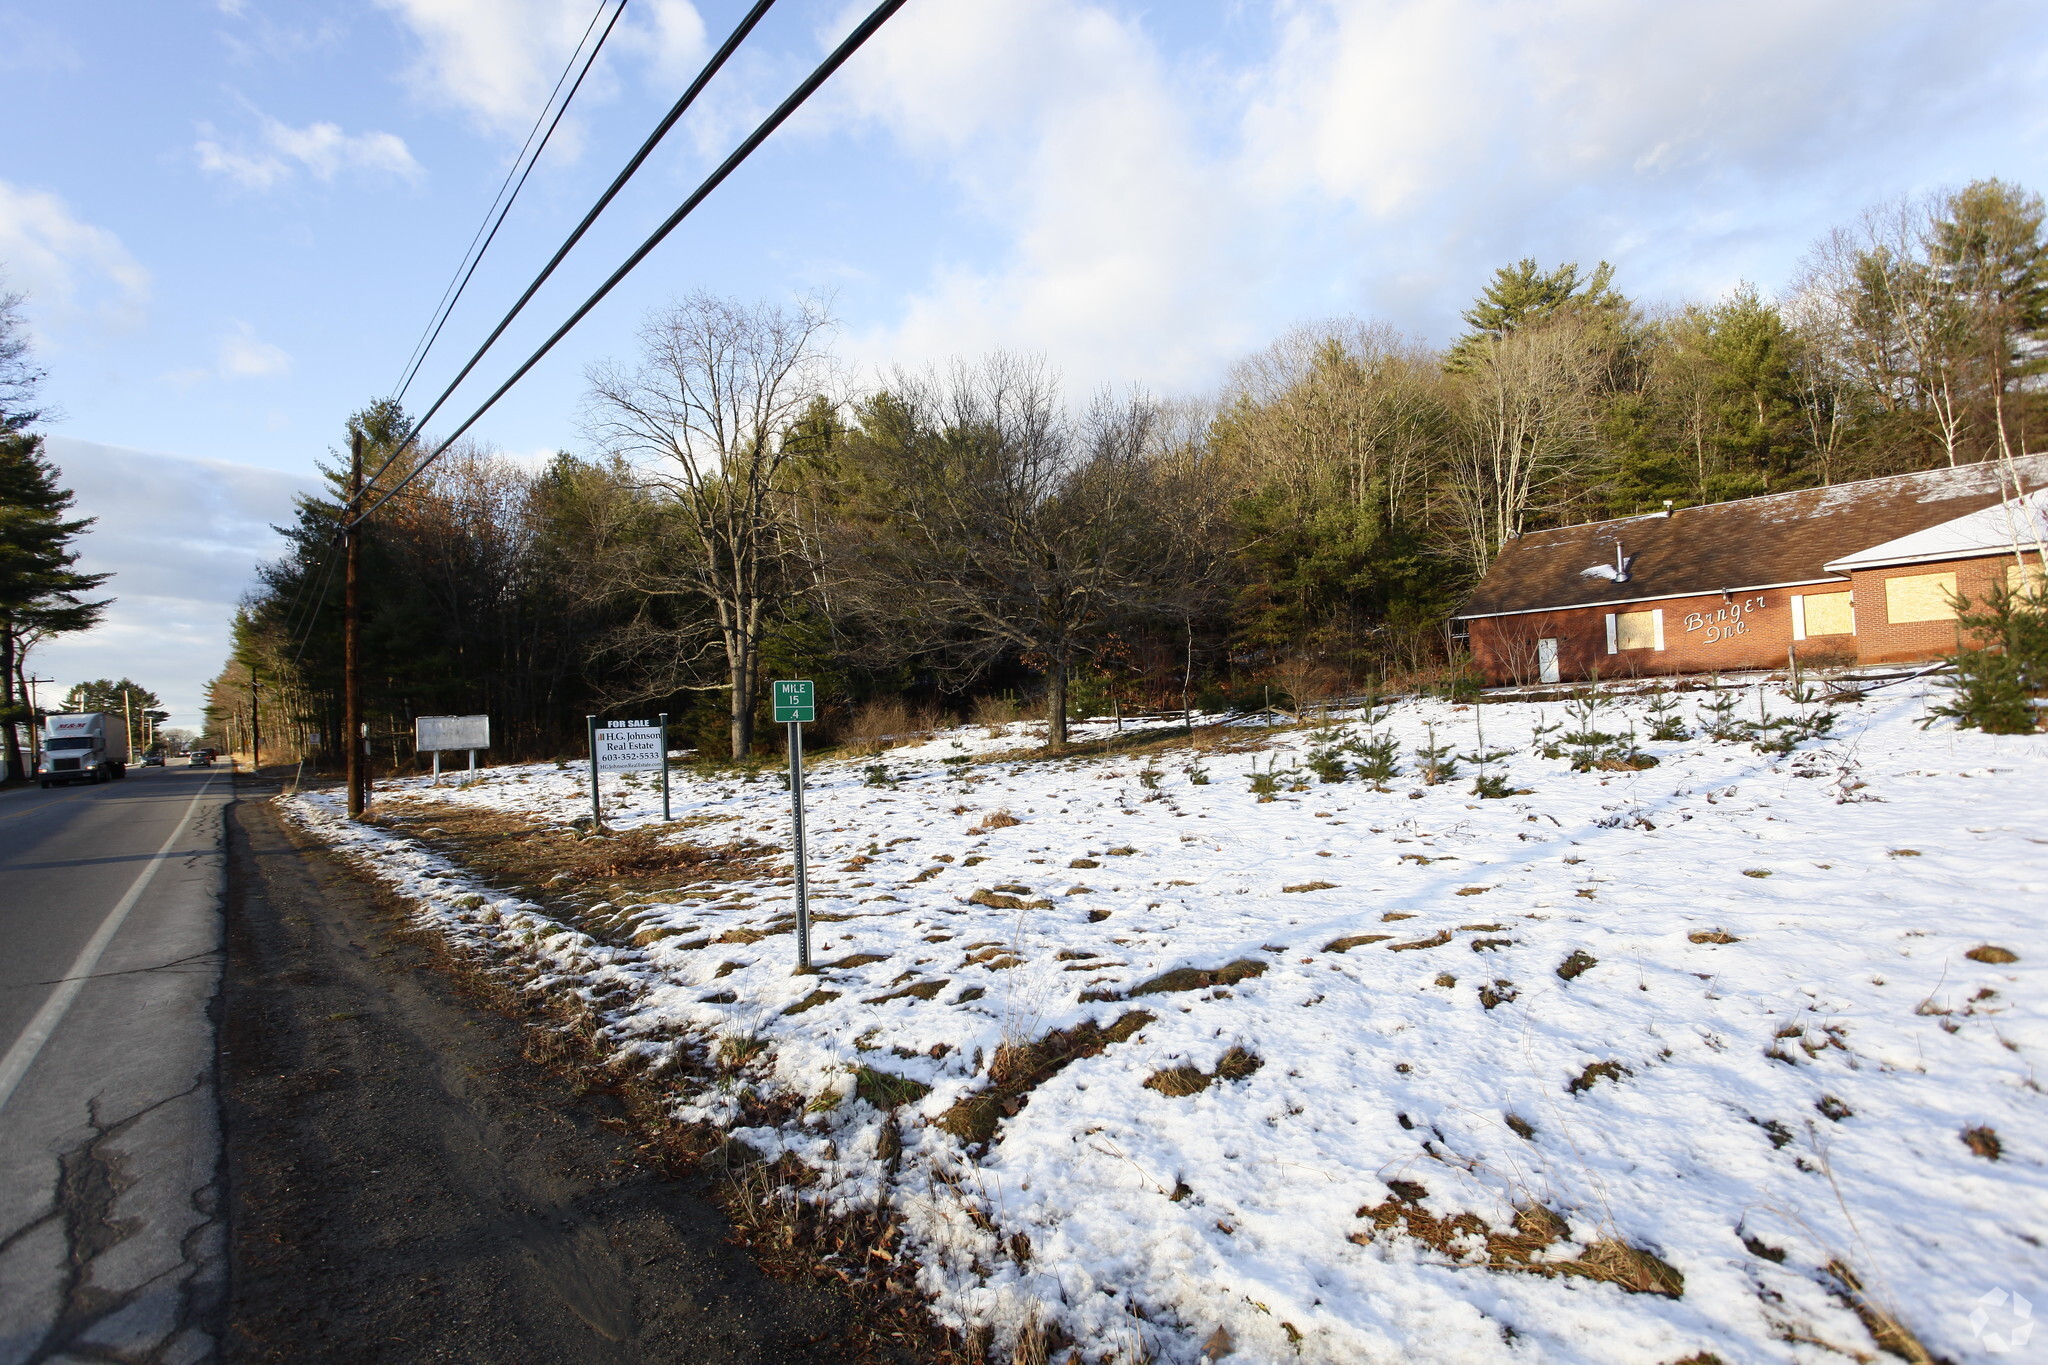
{"x":152,"y":760}
{"x":202,"y":758}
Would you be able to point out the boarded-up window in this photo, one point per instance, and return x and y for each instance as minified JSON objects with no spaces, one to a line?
{"x":1828,"y":613}
{"x":1635,"y":630}
{"x":1919,"y":597}
{"x":2024,"y":578}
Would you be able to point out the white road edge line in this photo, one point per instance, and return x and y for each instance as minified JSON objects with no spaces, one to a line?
{"x":22,"y":1055}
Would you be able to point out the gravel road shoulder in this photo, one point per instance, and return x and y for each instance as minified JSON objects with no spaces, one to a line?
{"x":403,"y":1186}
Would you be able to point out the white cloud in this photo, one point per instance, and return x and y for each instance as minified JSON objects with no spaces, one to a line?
{"x":495,"y":59}
{"x":34,"y":45}
{"x":673,"y":39}
{"x":182,"y":538}
{"x":1063,"y":121}
{"x":1157,"y":211}
{"x":322,"y":150}
{"x":68,"y":268}
{"x":244,"y":356}
{"x":498,"y":60}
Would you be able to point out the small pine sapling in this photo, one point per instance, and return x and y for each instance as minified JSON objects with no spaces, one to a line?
{"x":2000,"y":683}
{"x":1326,"y":765}
{"x":1492,"y":786}
{"x":1540,"y":737}
{"x":1198,"y":776}
{"x":1667,"y":721}
{"x":1435,"y":761}
{"x":1587,"y":745}
{"x":1265,"y":785}
{"x":1379,"y":759}
{"x":1719,"y":719}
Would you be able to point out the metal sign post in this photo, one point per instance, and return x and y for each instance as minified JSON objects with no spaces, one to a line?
{"x":796,"y":704}
{"x":596,"y":811}
{"x":665,"y":817}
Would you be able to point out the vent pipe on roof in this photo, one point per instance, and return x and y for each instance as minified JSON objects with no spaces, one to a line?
{"x":1617,"y":572}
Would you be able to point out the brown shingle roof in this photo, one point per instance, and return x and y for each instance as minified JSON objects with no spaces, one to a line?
{"x":1752,"y":543}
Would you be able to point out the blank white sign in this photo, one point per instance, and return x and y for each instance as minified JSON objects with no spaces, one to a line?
{"x":451,"y":732}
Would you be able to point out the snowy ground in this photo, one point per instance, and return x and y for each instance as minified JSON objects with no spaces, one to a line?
{"x":1779,"y":969}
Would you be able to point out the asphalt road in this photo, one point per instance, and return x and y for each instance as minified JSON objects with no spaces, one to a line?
{"x":111,"y":1240}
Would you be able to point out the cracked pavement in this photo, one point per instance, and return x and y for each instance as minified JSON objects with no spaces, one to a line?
{"x":112,"y":1245}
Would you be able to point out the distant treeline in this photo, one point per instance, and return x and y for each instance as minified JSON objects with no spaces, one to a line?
{"x":968,"y":531}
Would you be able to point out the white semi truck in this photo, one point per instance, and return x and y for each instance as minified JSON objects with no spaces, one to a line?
{"x":87,"y":746}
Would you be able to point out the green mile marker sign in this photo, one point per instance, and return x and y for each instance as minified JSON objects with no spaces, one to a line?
{"x":796,"y":701}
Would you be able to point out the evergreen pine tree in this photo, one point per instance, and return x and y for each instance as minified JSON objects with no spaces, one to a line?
{"x":41,"y":590}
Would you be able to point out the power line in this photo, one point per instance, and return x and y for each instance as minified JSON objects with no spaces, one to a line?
{"x":676,"y":111}
{"x":683,"y":105}
{"x":473,"y":257}
{"x":867,"y":28}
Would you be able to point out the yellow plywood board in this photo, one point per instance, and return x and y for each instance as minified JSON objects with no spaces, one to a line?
{"x":1635,"y":630}
{"x":2024,"y":578}
{"x":1829,"y":613}
{"x":1920,"y":597}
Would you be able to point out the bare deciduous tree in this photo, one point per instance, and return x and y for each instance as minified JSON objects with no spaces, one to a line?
{"x":1529,"y":422}
{"x":705,"y":417}
{"x":987,"y":524}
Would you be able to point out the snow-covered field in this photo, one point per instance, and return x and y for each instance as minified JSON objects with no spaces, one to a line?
{"x":1770,"y":1062}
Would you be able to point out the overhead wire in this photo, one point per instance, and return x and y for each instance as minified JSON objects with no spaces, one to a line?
{"x":487,"y":231}
{"x":676,"y":111}
{"x":853,"y":42}
{"x":522,"y":167}
{"x":300,"y":616}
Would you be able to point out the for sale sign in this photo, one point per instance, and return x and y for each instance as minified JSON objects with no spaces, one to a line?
{"x":627,"y":746}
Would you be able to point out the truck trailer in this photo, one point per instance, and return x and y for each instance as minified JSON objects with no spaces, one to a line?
{"x":87,"y":746}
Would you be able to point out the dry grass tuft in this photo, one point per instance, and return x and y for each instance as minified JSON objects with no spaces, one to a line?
{"x":1311,"y":886}
{"x":1891,"y":1335}
{"x":1200,"y":978}
{"x":916,"y":990}
{"x":1536,"y":1229}
{"x":1578,"y":964}
{"x":1983,"y":1142}
{"x":1350,"y":941}
{"x":887,"y":722}
{"x":1595,"y":1073}
{"x":1993,"y":954}
{"x":1179,"y":1082}
{"x":996,"y":712}
{"x":886,"y":1089}
{"x":1019,"y":1068}
{"x":1712,"y":936}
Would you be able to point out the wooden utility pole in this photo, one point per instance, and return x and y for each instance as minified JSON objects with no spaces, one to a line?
{"x":255,"y":725}
{"x":351,"y":633}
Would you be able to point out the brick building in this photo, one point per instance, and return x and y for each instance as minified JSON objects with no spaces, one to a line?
{"x":1854,"y":573}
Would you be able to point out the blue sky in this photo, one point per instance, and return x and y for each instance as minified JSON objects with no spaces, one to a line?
{"x":232,"y":217}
